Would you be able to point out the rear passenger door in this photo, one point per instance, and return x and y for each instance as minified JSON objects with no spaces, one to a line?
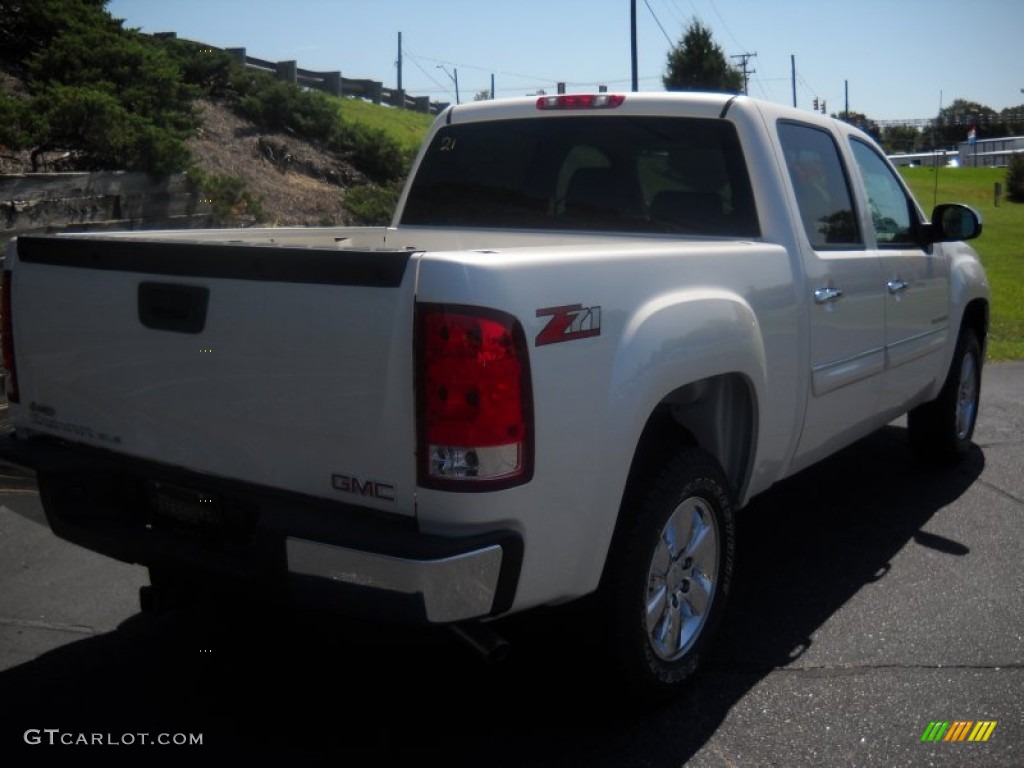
{"x":916,"y":283}
{"x":846,"y":303}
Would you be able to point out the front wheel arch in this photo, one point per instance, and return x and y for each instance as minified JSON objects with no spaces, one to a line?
{"x":941,"y":429}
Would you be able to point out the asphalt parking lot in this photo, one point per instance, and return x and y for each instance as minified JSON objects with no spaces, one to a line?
{"x":873,"y":596}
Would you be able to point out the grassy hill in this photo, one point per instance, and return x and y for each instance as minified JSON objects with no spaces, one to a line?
{"x":78,"y":92}
{"x":1001,"y":245}
{"x":406,"y":128}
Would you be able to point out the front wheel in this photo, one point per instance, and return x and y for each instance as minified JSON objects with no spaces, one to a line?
{"x":668,"y":582}
{"x":942,"y":429}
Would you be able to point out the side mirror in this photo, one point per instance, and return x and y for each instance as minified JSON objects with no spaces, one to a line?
{"x":952,"y":222}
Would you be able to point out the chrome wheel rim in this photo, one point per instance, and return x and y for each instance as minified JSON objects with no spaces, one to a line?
{"x":967,"y":397}
{"x":681,"y":579}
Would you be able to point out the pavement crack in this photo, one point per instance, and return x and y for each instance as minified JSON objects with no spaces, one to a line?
{"x":75,"y":629}
{"x":814,"y":667}
{"x":1000,"y":491}
{"x":855,"y":668}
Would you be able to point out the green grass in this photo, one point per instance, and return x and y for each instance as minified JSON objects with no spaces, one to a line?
{"x":405,"y":126}
{"x":1001,"y":245}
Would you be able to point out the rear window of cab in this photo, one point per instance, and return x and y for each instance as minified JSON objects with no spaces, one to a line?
{"x":607,"y":173}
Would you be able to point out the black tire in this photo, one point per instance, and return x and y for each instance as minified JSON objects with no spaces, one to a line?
{"x":941,"y":430}
{"x":665,"y":596}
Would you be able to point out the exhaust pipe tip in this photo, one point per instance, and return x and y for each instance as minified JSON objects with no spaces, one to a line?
{"x":484,"y":641}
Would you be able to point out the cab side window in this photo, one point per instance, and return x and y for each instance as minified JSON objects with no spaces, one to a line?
{"x":821,"y":186}
{"x":893,"y":215}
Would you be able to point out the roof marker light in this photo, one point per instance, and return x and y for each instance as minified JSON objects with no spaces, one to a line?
{"x":581,"y":101}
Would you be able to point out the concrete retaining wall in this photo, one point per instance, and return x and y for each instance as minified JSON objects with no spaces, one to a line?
{"x":43,"y":203}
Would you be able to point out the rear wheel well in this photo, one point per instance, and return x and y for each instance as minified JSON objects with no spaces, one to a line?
{"x":716,"y":414}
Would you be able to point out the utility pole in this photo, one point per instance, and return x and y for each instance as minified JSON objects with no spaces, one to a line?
{"x":846,"y":94}
{"x":632,"y":38}
{"x":399,"y":61}
{"x":454,"y":78}
{"x":744,"y":58}
{"x":792,"y":67}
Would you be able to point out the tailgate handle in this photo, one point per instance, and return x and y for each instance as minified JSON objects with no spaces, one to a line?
{"x":170,"y":307}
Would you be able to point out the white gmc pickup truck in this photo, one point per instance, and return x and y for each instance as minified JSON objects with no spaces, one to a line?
{"x":598,"y":325}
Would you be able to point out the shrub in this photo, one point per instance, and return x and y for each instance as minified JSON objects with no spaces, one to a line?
{"x":373,"y":205}
{"x":275,"y":105}
{"x":371,"y":150}
{"x":228,"y":197}
{"x":109,"y":135}
{"x":113,"y":95}
{"x":1015,"y":177}
{"x":19,"y":123}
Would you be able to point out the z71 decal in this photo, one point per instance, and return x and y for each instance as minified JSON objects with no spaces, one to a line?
{"x":569,"y":323}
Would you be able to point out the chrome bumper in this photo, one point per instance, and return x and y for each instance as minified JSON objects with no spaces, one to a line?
{"x":452,"y":588}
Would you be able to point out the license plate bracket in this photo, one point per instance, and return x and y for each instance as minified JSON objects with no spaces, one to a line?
{"x":186,"y":508}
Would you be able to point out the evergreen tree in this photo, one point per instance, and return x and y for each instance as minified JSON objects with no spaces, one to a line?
{"x":697,"y":63}
{"x":28,"y":26}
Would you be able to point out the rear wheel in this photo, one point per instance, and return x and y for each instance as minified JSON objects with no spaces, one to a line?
{"x":667,"y":584}
{"x":942,"y":429}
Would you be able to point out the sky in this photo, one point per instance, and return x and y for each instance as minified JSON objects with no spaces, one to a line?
{"x":901,"y":59}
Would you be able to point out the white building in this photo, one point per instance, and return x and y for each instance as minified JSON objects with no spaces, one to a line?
{"x":938,"y":157}
{"x":990,"y":152}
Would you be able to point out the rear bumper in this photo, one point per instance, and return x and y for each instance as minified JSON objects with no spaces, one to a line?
{"x":454,"y":588}
{"x":311,"y":550}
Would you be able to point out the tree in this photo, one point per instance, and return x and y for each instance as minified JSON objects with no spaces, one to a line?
{"x":28,"y":26}
{"x":1015,"y":178}
{"x":862,"y":121}
{"x":1013,"y":118}
{"x":956,"y":119}
{"x":904,"y":139}
{"x":697,"y":63}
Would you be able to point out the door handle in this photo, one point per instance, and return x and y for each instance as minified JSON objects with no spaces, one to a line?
{"x":897,"y":286}
{"x":826,"y":295}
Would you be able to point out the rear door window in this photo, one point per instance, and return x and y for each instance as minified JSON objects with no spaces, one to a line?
{"x":821,"y":187}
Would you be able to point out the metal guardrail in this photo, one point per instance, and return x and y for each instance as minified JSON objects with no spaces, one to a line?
{"x":328,"y":82}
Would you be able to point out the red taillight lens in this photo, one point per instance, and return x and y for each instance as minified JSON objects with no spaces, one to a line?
{"x":581,"y":101}
{"x":475,"y":416}
{"x":7,"y":332}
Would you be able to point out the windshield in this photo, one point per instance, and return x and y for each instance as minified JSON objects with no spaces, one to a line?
{"x":608,"y":173}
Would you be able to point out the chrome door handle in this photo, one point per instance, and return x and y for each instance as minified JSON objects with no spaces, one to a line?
{"x":825,"y":295}
{"x":897,"y":286}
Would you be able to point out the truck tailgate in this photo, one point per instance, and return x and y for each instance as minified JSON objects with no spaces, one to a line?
{"x":288,"y":367}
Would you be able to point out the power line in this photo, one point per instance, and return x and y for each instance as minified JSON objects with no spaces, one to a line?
{"x":425,"y":73}
{"x":680,"y":19}
{"x":463,"y":65}
{"x":658,"y":22}
{"x":724,"y":25}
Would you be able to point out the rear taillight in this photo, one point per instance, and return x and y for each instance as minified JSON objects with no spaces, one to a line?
{"x":475,"y":420}
{"x":7,"y":333}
